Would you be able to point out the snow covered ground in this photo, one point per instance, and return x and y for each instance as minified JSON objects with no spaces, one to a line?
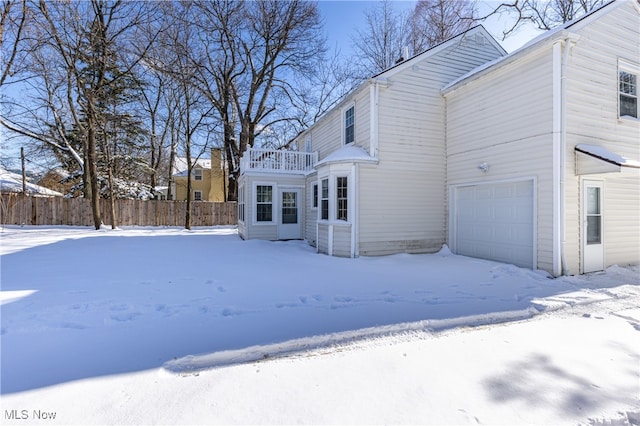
{"x":168,"y":326}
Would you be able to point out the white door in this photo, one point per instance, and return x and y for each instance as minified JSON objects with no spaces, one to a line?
{"x":592,"y":244}
{"x":495,"y":222}
{"x":290,"y":220}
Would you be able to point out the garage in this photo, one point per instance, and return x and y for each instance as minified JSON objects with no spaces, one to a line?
{"x":495,"y":222}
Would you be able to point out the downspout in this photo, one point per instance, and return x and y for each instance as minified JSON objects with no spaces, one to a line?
{"x":355,"y":219}
{"x":374,"y":102}
{"x":560,"y":61}
{"x":557,"y":127}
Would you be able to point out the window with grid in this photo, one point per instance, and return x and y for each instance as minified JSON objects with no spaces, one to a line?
{"x":197,"y":195}
{"x":324,"y":201}
{"x":341,"y":198}
{"x":628,"y":88}
{"x":264,"y":203}
{"x":197,"y":173}
{"x":349,"y":125}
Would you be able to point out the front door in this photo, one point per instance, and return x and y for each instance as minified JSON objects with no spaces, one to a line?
{"x":592,"y":232}
{"x":290,"y":222}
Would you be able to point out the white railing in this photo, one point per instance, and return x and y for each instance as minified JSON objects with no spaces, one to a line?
{"x":279,"y":161}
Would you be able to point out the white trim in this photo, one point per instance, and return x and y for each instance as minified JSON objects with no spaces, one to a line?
{"x":374,"y":108}
{"x":453,"y":210}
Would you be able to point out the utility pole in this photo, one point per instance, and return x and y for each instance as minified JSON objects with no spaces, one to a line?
{"x":24,"y":173}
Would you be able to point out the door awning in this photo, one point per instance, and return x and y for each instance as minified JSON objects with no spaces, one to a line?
{"x":591,"y":159}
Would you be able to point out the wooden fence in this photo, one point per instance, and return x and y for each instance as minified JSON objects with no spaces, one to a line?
{"x":18,"y":209}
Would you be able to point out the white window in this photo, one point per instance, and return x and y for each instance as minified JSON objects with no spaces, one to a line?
{"x":197,"y":195}
{"x":349,"y":125}
{"x":307,"y":143}
{"x":314,"y":194}
{"x":197,"y":173}
{"x":324,"y":199}
{"x":341,"y":198}
{"x":628,"y":91}
{"x":264,"y":203}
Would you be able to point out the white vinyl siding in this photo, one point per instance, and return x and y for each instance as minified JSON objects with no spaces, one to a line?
{"x":505,"y":119}
{"x":251,"y":228}
{"x":606,"y":46}
{"x":402,"y":200}
{"x":310,"y":227}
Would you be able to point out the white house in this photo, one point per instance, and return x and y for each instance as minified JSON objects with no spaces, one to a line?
{"x":504,"y":157}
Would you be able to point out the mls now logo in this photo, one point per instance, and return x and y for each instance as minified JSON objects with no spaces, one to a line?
{"x":26,"y":414}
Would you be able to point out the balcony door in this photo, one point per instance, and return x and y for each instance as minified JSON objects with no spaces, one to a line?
{"x":290,"y":217}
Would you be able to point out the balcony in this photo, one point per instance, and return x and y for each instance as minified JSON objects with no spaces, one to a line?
{"x":277,"y":161}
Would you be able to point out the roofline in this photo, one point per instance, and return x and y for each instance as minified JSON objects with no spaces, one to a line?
{"x":538,"y":42}
{"x":436,"y":48}
{"x":399,"y":67}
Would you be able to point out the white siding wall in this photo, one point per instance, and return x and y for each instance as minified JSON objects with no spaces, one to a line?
{"x":327,"y":134}
{"x":402,"y":200}
{"x":311,"y":217}
{"x":592,"y":94}
{"x":262,"y":231}
{"x":505,"y":120}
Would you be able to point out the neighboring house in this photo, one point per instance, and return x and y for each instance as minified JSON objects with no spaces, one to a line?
{"x":208,"y":179}
{"x":529,"y":158}
{"x":11,"y":183}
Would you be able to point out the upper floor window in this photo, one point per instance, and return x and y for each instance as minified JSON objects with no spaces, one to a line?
{"x":264,"y":203}
{"x":628,"y":88}
{"x":349,"y":125}
{"x":197,"y":173}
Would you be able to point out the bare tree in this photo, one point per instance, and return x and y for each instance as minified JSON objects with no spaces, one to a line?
{"x":381,"y":43}
{"x":435,"y":21}
{"x":13,"y":18}
{"x":544,"y":14}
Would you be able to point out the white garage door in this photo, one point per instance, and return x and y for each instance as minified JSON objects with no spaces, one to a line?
{"x":495,"y":222}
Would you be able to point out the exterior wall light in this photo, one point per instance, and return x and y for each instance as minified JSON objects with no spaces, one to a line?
{"x":484,"y":167}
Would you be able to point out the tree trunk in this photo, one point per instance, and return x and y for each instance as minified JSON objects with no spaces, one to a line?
{"x":93,"y":169}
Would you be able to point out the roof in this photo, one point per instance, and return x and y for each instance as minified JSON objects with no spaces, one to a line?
{"x":12,"y":182}
{"x":403,"y":65}
{"x":348,"y":154}
{"x":438,"y":47}
{"x":544,"y":39}
{"x":597,"y":159}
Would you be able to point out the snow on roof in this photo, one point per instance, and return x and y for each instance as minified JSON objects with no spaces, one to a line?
{"x":12,"y":182}
{"x":347,"y":154}
{"x":606,"y":155}
{"x":180,"y":165}
{"x":532,"y":44}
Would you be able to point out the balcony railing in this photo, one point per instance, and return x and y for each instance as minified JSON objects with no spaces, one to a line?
{"x":277,"y":161}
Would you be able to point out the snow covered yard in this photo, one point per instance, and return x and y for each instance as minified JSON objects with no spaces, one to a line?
{"x":163,"y":325}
